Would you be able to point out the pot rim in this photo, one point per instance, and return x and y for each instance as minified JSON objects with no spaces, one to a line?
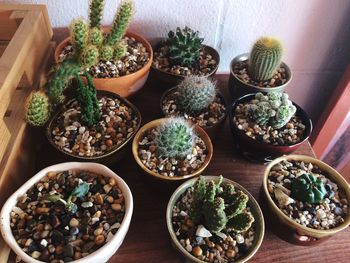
{"x":102,"y":169}
{"x":99,"y":157}
{"x":253,"y":204}
{"x":333,"y":174}
{"x":152,"y":124}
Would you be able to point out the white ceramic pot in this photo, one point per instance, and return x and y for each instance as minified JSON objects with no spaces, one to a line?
{"x":100,"y":255}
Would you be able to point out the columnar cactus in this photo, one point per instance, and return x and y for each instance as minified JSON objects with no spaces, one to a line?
{"x":106,"y":52}
{"x":175,"y":138}
{"x":79,"y":32}
{"x":89,"y":56}
{"x":196,"y":93}
{"x":219,"y":206}
{"x":308,"y":188}
{"x":184,"y":46}
{"x":120,"y":50}
{"x":273,"y":109}
{"x":265,"y":58}
{"x":96,"y":11}
{"x":37,"y":108}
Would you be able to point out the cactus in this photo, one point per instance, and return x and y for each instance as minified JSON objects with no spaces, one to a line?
{"x":89,"y":56}
{"x":265,"y":58}
{"x":79,"y":32}
{"x":175,"y":138}
{"x":219,"y":207}
{"x":95,"y":15}
{"x":120,"y":23}
{"x":96,"y":36}
{"x":196,"y":93}
{"x":184,"y":46}
{"x":120,"y":50}
{"x":106,"y":52}
{"x":37,"y":108}
{"x":273,"y":109}
{"x":308,"y":188}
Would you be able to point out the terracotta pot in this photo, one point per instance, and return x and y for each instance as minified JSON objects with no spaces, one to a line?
{"x":125,"y":86}
{"x":305,"y":233}
{"x":170,"y":79}
{"x":161,"y":178}
{"x":260,"y":151}
{"x":252,"y":203}
{"x":239,"y":88}
{"x":108,"y":158}
{"x":212,"y":130}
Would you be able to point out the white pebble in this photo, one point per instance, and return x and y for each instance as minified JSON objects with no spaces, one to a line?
{"x":240,"y":239}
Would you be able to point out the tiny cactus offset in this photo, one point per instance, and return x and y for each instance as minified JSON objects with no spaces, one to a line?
{"x":89,"y":56}
{"x":96,"y":11}
{"x":265,"y":58}
{"x":79,"y":32}
{"x":96,"y":36}
{"x":308,"y":188}
{"x":37,"y":108}
{"x":120,"y":50}
{"x":106,"y":52}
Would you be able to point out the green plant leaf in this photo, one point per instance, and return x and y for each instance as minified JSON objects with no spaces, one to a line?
{"x":53,"y":198}
{"x":81,"y":190}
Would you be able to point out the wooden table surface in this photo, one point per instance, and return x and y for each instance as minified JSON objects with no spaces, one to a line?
{"x":148,"y":239}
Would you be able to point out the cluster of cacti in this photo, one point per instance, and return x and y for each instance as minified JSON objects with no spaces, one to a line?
{"x":196,"y":93}
{"x":37,"y":108}
{"x":175,"y":138}
{"x":184,"y":46}
{"x":265,"y":58}
{"x":219,"y":206}
{"x":273,"y":109}
{"x":308,"y":188}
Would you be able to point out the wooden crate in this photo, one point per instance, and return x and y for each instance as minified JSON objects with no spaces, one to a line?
{"x":25,"y":50}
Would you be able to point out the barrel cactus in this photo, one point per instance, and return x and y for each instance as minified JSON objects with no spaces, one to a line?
{"x":196,"y":93}
{"x":184,"y":46}
{"x":265,"y":58}
{"x":175,"y":138}
{"x":308,"y":188}
{"x":219,"y":206}
{"x":37,"y":108}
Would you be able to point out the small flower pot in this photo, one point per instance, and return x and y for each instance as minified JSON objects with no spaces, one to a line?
{"x":127,"y":85}
{"x":260,"y":151}
{"x":170,"y":79}
{"x":156,"y":177}
{"x":294,"y":232}
{"x":254,"y":209}
{"x":238,"y":88}
{"x":212,"y":130}
{"x":100,"y":255}
{"x":109,"y":157}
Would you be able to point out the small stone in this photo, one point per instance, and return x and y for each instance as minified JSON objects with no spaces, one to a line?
{"x":98,"y":231}
{"x":116,"y":207}
{"x":109,"y":142}
{"x":35,"y":254}
{"x":98,"y":199}
{"x":42,"y":210}
{"x":203,"y":232}
{"x":107,"y":188}
{"x":99,"y":240}
{"x":197,"y":251}
{"x":221,"y":235}
{"x":240,"y":239}
{"x":87,"y":204}
{"x":87,"y":246}
{"x":189,"y":248}
{"x":230,"y":253}
{"x":68,"y":251}
{"x":338,"y":211}
{"x":320,"y":214}
{"x":282,"y":198}
{"x":73,"y":222}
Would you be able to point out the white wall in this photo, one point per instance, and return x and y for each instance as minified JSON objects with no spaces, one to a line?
{"x":314,"y":33}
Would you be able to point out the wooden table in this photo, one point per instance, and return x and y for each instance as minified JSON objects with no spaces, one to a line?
{"x":148,"y":239}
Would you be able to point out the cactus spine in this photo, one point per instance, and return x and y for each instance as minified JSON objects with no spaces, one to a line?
{"x":37,"y":108}
{"x":96,"y":10}
{"x":79,"y":32}
{"x":265,"y":58}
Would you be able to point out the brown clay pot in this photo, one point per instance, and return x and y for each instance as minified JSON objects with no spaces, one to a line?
{"x":127,"y":85}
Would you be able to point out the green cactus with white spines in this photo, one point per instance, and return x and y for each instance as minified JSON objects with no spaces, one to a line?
{"x":265,"y":58}
{"x":196,"y":93}
{"x":96,"y":36}
{"x":37,"y":108}
{"x":96,"y":11}
{"x":106,"y":52}
{"x":175,"y":138}
{"x":89,"y":56}
{"x":79,"y":32}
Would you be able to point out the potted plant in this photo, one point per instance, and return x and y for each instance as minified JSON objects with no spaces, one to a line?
{"x":268,"y":125}
{"x":69,"y":212}
{"x":213,"y":219}
{"x":183,"y":54}
{"x":197,"y":100}
{"x":259,"y":71}
{"x":306,"y":196}
{"x":89,"y":127}
{"x":170,"y":149}
{"x":119,"y":61}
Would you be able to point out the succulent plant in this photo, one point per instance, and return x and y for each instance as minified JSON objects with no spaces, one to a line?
{"x":96,"y":11}
{"x":184,"y":46}
{"x":120,"y":50}
{"x":218,"y":206}
{"x":273,"y":109}
{"x":175,"y":138}
{"x":106,"y":52}
{"x":196,"y":93}
{"x":37,"y":108}
{"x":79,"y":32}
{"x":265,"y":58}
{"x":96,"y":36}
{"x":89,"y":56}
{"x":308,"y":188}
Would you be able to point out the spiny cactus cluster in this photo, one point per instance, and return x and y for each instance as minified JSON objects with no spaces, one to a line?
{"x":184,"y":46}
{"x":308,"y":188}
{"x":196,"y":93}
{"x":219,"y":206}
{"x":265,"y":58}
{"x":273,"y":109}
{"x":37,"y":108}
{"x":175,"y":138}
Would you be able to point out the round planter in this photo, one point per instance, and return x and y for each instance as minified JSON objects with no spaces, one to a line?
{"x":107,"y":158}
{"x":161,"y":178}
{"x":100,"y":255}
{"x":212,"y":130}
{"x":260,"y":151}
{"x":305,"y":235}
{"x":239,"y":88}
{"x":170,"y":79}
{"x":252,"y":203}
{"x":127,"y":85}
